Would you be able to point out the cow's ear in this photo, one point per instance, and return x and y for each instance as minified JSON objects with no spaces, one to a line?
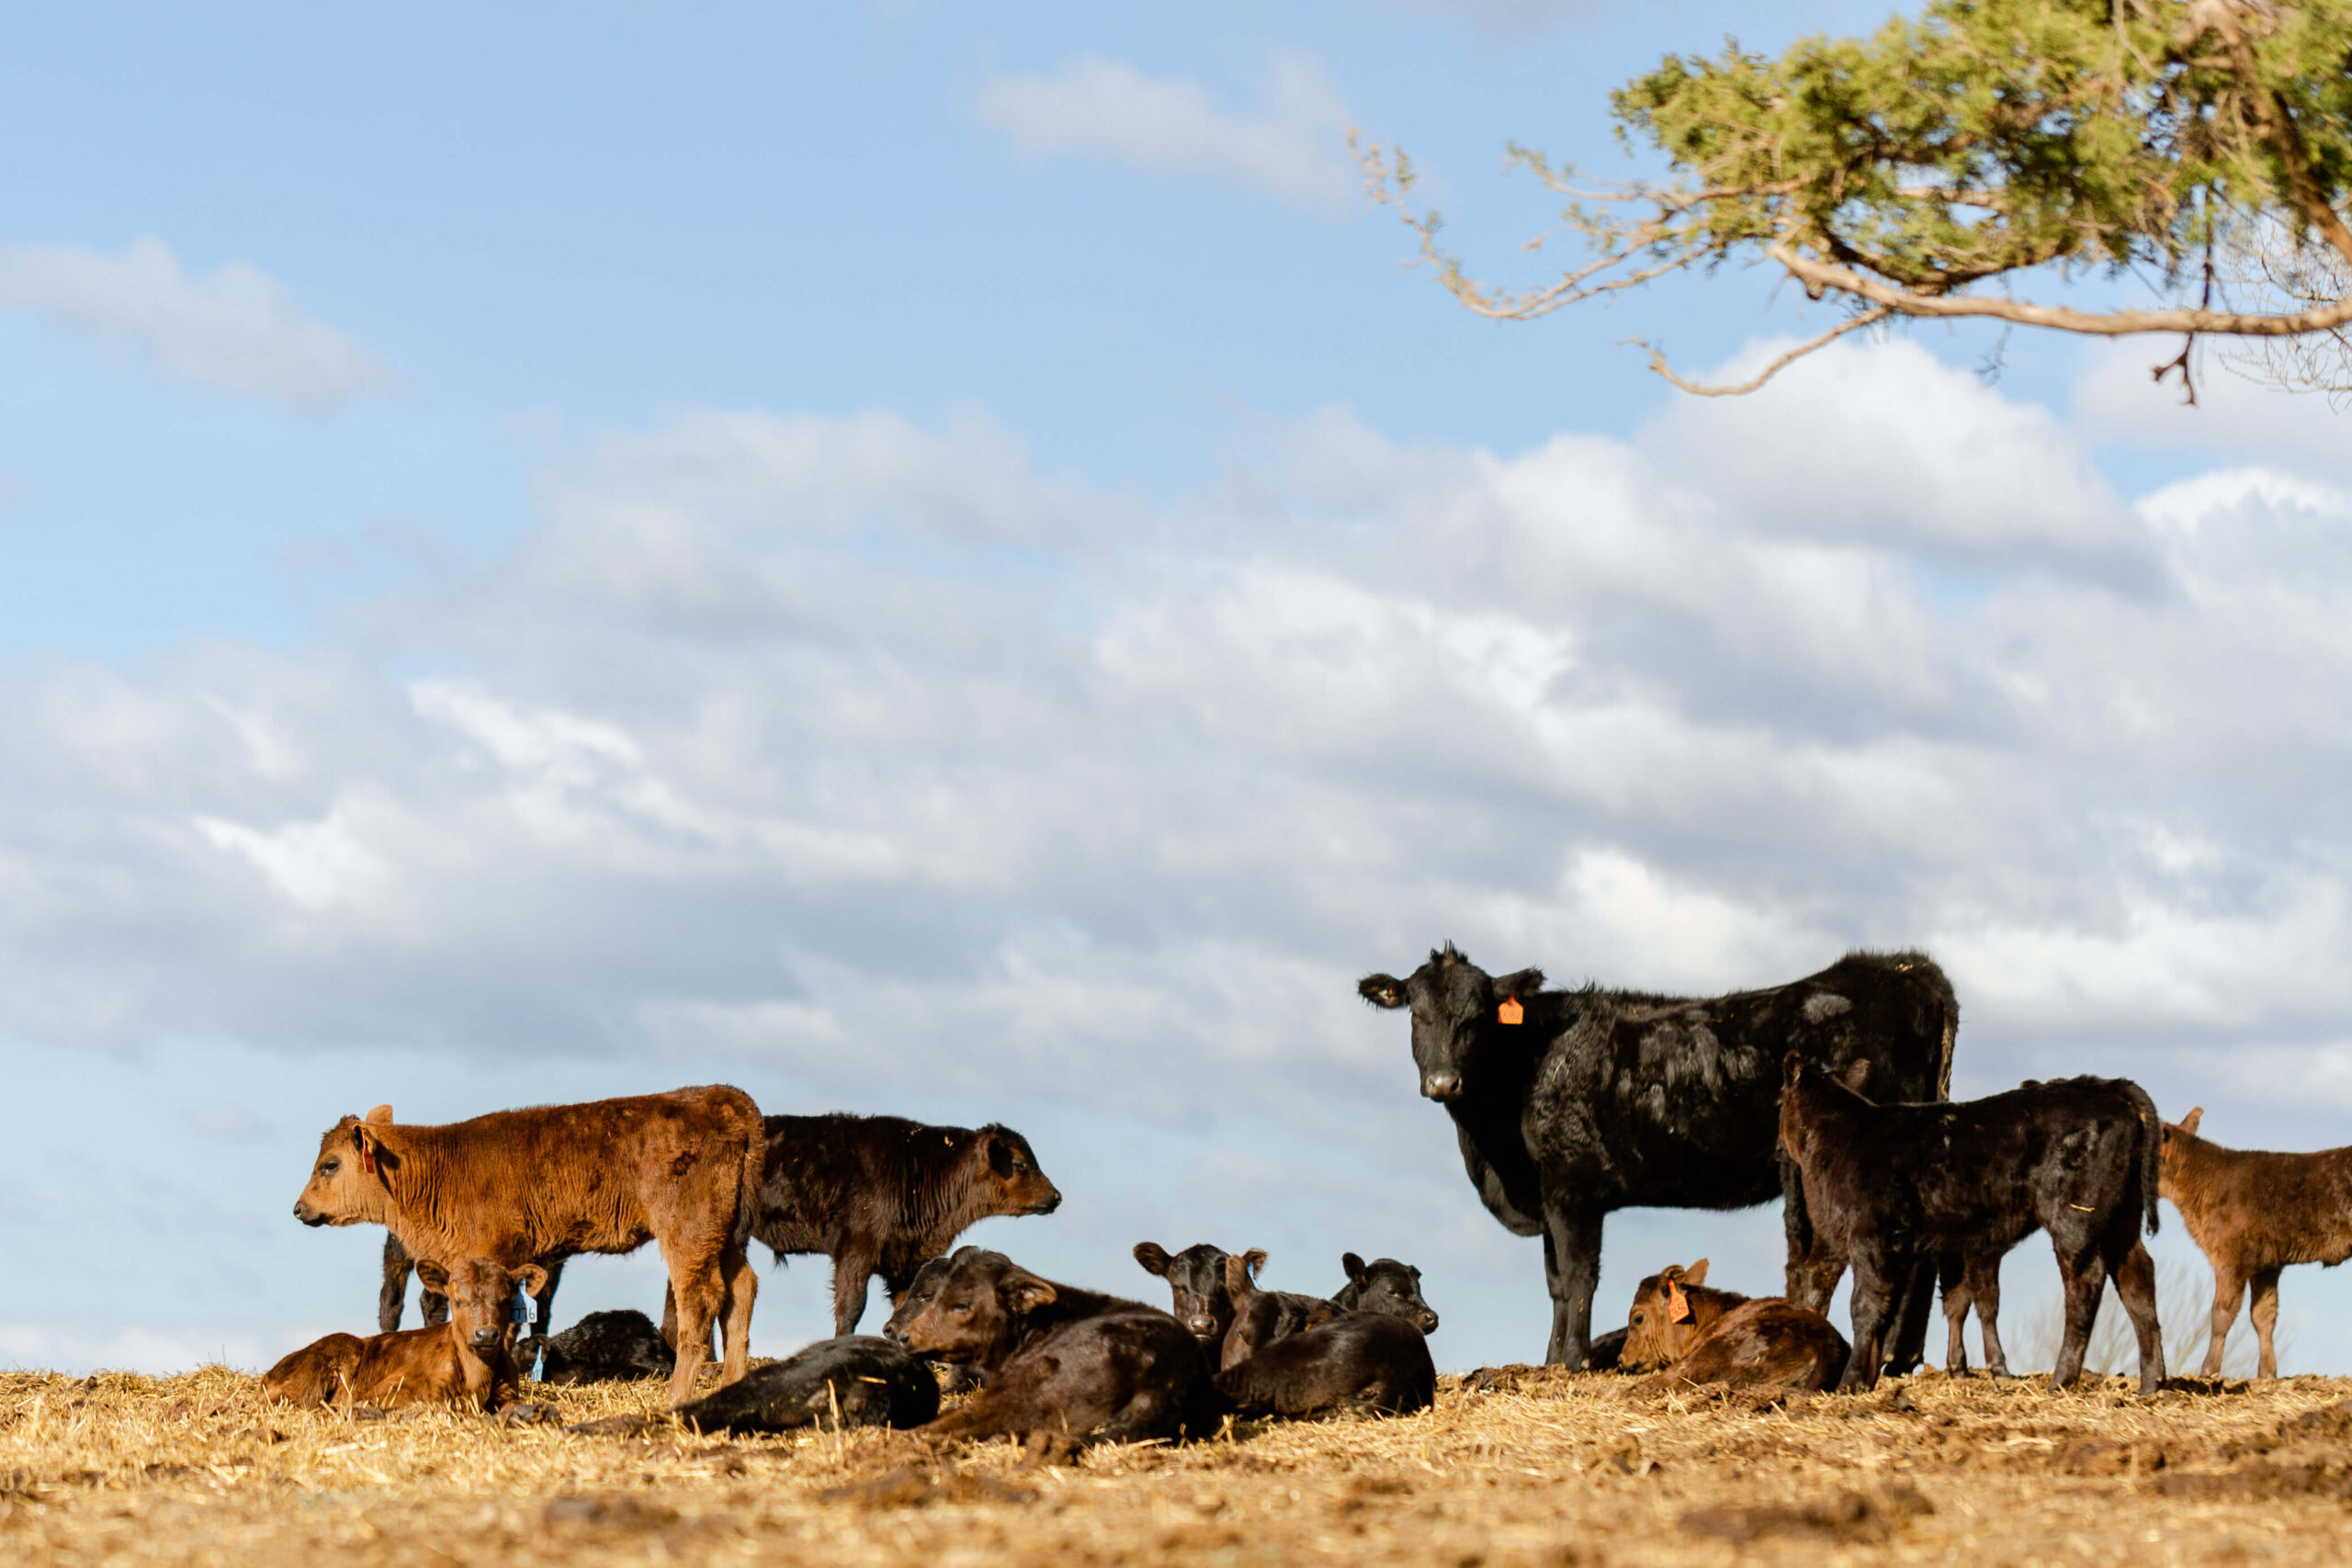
{"x":1237,"y":1275}
{"x":999,"y":1156}
{"x":529,"y":1278}
{"x":1696,"y":1274}
{"x":1153,"y":1256}
{"x":382,"y":1116}
{"x":1792,"y":1068}
{"x":1381,"y":990}
{"x":1856,"y":1075}
{"x":1517,"y":988}
{"x":432,"y":1276}
{"x":1354,"y":1266}
{"x":2189,"y":1123}
{"x":1024,"y":1291}
{"x":1253,"y":1260}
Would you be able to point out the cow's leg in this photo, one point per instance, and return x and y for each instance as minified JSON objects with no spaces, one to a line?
{"x":700,"y":1294}
{"x":1954,"y":1278}
{"x":1572,"y":1246}
{"x":2084,"y":1275}
{"x":2135,"y":1283}
{"x":1814,"y":1266}
{"x":741,"y":1283}
{"x":670,"y":1317}
{"x":2265,"y":1318}
{"x":852,"y":1277}
{"x":1878,"y":1279}
{"x":544,"y":1300}
{"x":393,"y":1297}
{"x":1910,"y":1333}
{"x":2229,"y":1288}
{"x":1982,"y":1280}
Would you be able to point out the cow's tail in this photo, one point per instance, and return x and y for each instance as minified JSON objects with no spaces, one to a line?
{"x":2151,"y":1145}
{"x":747,"y":1190}
{"x":1932,"y":977}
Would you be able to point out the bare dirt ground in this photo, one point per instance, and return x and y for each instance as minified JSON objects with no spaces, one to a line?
{"x":1542,"y":1468}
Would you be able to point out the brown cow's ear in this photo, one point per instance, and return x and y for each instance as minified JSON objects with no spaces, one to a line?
{"x":1253,"y":1260}
{"x":2189,"y":1123}
{"x":432,"y":1277}
{"x":1236,"y":1276}
{"x":1153,"y":1256}
{"x":1381,"y":990}
{"x":370,"y":1145}
{"x":1024,"y":1291}
{"x":1696,"y":1274}
{"x":529,"y":1278}
{"x":382,"y":1116}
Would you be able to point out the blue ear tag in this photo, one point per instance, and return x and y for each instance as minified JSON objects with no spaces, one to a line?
{"x":525,"y":1310}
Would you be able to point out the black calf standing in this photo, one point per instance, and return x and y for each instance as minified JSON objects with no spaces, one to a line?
{"x":1895,"y":1186}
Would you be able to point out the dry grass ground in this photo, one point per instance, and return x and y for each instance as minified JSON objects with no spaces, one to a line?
{"x":1544,"y":1469}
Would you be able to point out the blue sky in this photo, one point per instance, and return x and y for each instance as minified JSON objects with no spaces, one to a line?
{"x":922,"y":560}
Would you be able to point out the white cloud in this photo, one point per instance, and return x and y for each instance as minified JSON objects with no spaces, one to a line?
{"x":1291,"y":143}
{"x":234,"y":327}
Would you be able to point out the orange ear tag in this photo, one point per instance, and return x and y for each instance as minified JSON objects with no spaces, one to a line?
{"x":366,"y":1159}
{"x":1678,"y":1305}
{"x":1510,"y":1012}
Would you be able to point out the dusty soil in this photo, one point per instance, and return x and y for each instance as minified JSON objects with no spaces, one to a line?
{"x":1534,"y":1468}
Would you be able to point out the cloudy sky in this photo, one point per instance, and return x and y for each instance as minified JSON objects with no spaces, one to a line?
{"x":916,"y":561}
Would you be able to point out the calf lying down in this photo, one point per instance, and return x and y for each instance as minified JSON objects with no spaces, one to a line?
{"x":1065,"y":1365}
{"x":1360,"y":1362}
{"x":607,"y":1346}
{"x":854,"y":1380}
{"x":1702,"y":1336}
{"x":467,"y":1361}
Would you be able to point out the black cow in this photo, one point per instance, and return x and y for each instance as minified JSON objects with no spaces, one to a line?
{"x":1367,"y":1363}
{"x":1387,"y":1286}
{"x":1572,"y":1104}
{"x":1890,"y":1186}
{"x":858,"y":1380}
{"x":604,"y":1346}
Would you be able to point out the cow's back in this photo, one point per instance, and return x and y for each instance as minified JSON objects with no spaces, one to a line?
{"x":1675,"y":1101}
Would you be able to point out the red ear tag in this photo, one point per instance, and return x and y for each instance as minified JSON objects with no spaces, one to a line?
{"x":1678,"y":1305}
{"x":368,"y":1158}
{"x":1510,"y":1012}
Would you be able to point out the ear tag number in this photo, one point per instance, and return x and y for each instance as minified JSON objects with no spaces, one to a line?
{"x":1678,"y":1305}
{"x":526,"y":1311}
{"x":1510,"y":1012}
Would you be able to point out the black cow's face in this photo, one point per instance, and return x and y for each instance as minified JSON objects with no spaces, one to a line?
{"x":1384,"y":1285}
{"x":1455,"y":1003}
{"x":1196,"y":1279}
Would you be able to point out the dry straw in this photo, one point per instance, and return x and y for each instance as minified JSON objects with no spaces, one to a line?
{"x":1543,"y":1468}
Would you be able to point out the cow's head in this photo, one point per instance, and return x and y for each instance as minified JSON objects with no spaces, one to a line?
{"x":1384,"y":1285}
{"x":1455,"y":1006}
{"x":973,"y":1311}
{"x":1666,"y":1319}
{"x":1013,"y":1177}
{"x":2171,"y":1151}
{"x":1196,"y":1279}
{"x":482,"y":1296}
{"x":346,"y":1185}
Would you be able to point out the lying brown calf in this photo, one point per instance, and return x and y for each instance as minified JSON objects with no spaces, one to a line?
{"x":1672,"y":1309}
{"x":466,"y":1360}
{"x":2253,"y":1212}
{"x":1067,"y":1365}
{"x":1772,"y":1344}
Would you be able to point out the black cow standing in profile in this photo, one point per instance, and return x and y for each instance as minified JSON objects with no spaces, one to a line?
{"x":1572,"y":1104}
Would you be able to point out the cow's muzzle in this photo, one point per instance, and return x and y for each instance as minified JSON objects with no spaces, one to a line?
{"x":1200,"y":1327}
{"x":1426,"y":1322}
{"x":488,"y":1338}
{"x":1442,"y":1086}
{"x":1047,"y":1205}
{"x":309,"y":1215}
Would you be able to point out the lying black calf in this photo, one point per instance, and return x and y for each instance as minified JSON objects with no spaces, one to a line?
{"x":605,"y":1347}
{"x":856,"y":1381}
{"x":1261,"y":1317}
{"x":1362,"y":1363}
{"x":1067,"y":1365}
{"x":1384,"y":1285}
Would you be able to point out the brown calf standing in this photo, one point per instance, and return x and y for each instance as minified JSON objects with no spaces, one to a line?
{"x":2253,"y":1211}
{"x":681,"y":1168}
{"x":466,"y":1359}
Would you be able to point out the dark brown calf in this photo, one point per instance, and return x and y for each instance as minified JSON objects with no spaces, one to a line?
{"x":1772,"y":1345}
{"x":1261,"y":1317}
{"x":1365,"y":1363}
{"x":681,"y":1168}
{"x":2253,"y":1212}
{"x":1197,"y":1283}
{"x":467,"y":1360}
{"x":1067,"y":1365}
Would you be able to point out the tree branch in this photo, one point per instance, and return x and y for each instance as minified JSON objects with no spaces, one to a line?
{"x":1658,"y":364}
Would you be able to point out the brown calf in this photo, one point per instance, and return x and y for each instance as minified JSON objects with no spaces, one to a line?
{"x":466,"y":1360}
{"x":681,"y":1168}
{"x":2253,"y":1212}
{"x":1771,"y":1345}
{"x":1672,"y":1309}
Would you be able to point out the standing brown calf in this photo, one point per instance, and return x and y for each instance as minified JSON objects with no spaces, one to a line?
{"x":466,"y":1359}
{"x":681,"y":1168}
{"x":2253,"y":1211}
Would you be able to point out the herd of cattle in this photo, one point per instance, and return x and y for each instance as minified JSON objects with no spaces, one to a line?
{"x":1829,"y":1092}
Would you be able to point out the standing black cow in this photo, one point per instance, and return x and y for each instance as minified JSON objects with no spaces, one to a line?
{"x":1571,"y":1105}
